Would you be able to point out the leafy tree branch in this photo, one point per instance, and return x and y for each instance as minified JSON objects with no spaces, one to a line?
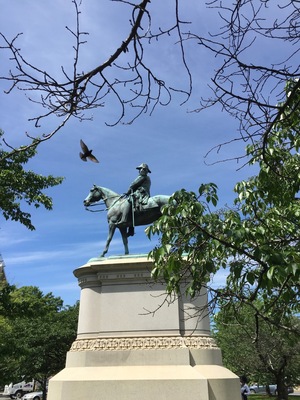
{"x":255,"y":242}
{"x":19,"y":187}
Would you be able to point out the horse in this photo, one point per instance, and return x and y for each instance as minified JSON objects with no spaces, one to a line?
{"x":115,"y":205}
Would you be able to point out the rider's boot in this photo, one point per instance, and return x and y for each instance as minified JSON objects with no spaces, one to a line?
{"x":130,"y":231}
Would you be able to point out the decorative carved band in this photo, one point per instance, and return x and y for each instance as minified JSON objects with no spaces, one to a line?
{"x":143,"y":343}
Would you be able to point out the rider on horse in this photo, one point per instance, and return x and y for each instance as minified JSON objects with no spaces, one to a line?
{"x":139,"y":193}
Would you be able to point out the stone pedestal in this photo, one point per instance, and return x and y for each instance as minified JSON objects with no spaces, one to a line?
{"x":134,"y":341}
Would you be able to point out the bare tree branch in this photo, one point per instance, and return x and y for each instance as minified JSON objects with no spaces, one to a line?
{"x":133,"y":85}
{"x":247,"y":85}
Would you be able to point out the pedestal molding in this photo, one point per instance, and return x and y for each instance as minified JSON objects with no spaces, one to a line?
{"x":143,"y":343}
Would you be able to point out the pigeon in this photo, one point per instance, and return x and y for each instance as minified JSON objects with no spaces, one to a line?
{"x":86,"y":153}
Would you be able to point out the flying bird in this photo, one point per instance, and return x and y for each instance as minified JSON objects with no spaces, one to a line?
{"x":86,"y":153}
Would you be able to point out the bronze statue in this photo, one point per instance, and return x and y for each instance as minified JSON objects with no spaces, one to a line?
{"x":139,"y":193}
{"x":117,"y":205}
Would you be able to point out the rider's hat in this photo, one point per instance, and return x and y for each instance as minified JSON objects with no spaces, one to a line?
{"x":143,"y":165}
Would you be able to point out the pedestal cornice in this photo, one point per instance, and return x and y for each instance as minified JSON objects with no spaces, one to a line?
{"x":121,"y":268}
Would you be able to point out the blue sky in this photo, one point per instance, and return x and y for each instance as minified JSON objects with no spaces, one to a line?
{"x":172,"y":141}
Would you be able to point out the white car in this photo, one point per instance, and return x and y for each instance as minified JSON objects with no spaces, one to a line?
{"x":33,"y":396}
{"x":262,"y":389}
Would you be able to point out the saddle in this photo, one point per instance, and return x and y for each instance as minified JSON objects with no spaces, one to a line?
{"x":141,"y":204}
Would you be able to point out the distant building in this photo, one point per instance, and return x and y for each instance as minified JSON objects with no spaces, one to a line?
{"x":2,"y":270}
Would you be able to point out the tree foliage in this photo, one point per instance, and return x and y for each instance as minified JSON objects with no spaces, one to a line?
{"x":253,"y":347}
{"x":36,"y":333}
{"x":19,"y":187}
{"x":256,"y":241}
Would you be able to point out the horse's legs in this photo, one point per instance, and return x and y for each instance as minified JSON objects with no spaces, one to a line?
{"x":123,"y":231}
{"x":111,"y":231}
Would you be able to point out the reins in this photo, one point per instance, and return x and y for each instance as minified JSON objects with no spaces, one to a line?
{"x":93,"y":205}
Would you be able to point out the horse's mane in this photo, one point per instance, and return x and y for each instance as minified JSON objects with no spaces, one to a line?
{"x":108,"y":190}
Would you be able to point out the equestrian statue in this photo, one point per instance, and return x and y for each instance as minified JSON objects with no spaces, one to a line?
{"x":134,"y":208}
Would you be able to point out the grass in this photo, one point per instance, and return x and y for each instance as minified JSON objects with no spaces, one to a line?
{"x":266,"y":397}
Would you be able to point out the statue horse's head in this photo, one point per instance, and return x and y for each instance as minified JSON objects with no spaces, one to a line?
{"x":94,"y":196}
